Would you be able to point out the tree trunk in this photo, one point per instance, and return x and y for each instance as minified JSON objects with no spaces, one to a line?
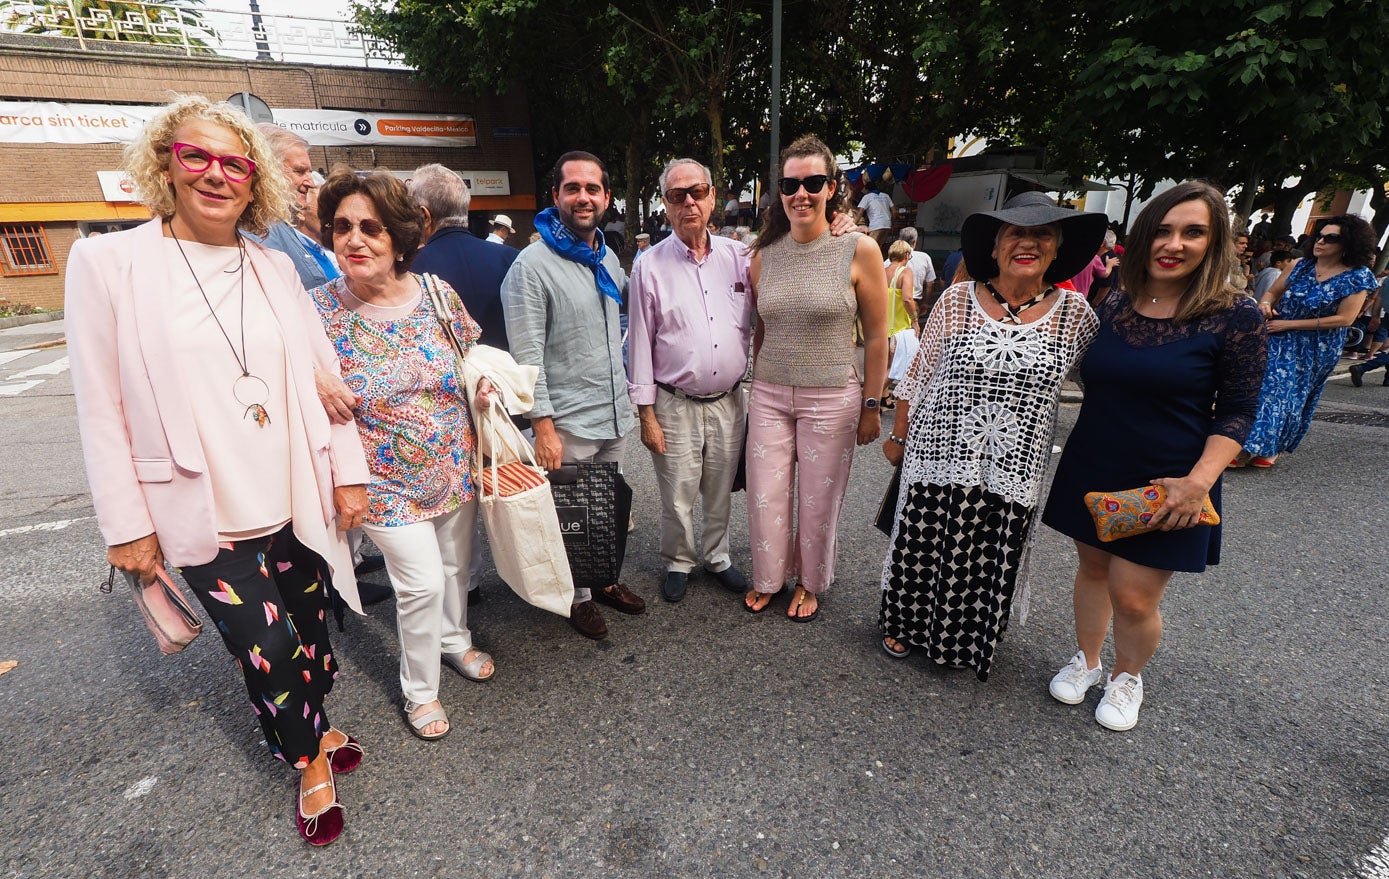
{"x":636,"y":183}
{"x":1245,"y":206}
{"x":714,"y":110}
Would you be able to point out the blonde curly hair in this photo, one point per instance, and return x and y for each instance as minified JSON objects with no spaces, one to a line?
{"x":147,"y":162}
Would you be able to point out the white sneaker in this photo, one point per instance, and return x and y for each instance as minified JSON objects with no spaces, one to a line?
{"x":1074,"y":680}
{"x":1123,"y":696}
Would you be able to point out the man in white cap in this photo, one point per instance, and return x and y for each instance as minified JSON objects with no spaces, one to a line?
{"x":499,"y":223}
{"x":643,"y":245}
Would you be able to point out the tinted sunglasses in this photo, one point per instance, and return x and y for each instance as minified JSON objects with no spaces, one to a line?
{"x":813,"y":184}
{"x":370,"y":228}
{"x":237,"y":169}
{"x":699,"y":192}
{"x":1329,"y":237}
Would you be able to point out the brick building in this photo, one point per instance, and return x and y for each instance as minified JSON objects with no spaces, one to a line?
{"x":51,"y":193}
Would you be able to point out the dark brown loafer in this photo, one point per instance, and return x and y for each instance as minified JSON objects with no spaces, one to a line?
{"x":587,"y":620}
{"x":620,"y":598}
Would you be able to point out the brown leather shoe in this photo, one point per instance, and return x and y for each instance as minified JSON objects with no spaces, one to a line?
{"x":620,"y":597}
{"x":587,"y":620}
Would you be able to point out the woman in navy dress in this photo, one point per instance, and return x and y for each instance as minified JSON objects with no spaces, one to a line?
{"x":1171,"y":390}
{"x":1309,"y":309}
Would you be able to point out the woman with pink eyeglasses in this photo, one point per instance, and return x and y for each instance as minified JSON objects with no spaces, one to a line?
{"x":193,"y":355}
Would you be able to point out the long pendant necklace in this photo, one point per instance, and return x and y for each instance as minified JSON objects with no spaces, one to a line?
{"x":247,"y":386}
{"x":1012,"y":313}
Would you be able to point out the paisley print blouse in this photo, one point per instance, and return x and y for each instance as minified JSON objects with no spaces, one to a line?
{"x":412,"y":412}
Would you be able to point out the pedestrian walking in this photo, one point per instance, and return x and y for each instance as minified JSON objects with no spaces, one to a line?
{"x":1309,"y":310}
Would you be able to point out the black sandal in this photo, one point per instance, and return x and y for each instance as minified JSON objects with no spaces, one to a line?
{"x":903,"y":654}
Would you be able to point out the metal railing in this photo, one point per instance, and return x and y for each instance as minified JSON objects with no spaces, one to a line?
{"x":194,"y":31}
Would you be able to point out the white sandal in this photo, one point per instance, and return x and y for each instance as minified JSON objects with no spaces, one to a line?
{"x":472,"y":670}
{"x":418,"y":724}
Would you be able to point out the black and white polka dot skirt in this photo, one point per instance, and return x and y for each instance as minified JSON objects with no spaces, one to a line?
{"x":949,"y":579}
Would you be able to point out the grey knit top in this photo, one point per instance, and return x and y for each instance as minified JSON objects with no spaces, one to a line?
{"x":806,"y":301}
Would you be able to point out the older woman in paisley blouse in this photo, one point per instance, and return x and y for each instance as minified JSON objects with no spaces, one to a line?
{"x":973,"y":429}
{"x":415,"y":426}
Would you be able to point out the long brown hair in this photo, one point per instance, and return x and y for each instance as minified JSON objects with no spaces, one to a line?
{"x":1208,"y":290}
{"x":775,"y":223}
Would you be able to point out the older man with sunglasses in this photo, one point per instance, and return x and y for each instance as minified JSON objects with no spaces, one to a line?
{"x":690,"y":308}
{"x":690,"y":326}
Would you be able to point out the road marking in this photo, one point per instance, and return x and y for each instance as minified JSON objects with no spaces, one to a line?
{"x":45,"y":526}
{"x":10,"y":356}
{"x":1375,"y":865}
{"x":141,"y":787}
{"x":17,"y":389}
{"x":58,"y":366}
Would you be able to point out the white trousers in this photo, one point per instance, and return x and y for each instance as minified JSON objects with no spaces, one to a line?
{"x":703,"y":441}
{"x":429,"y":567}
{"x":578,"y":450}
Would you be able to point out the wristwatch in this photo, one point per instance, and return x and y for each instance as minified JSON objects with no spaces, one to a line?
{"x":870,"y":403}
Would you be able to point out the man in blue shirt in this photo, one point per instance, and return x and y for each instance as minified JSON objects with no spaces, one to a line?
{"x":313,"y":267}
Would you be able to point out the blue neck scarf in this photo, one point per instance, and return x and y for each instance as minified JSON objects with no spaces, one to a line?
{"x":558,"y":238}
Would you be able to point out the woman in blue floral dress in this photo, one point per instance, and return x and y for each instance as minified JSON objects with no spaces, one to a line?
{"x":1308,"y":311}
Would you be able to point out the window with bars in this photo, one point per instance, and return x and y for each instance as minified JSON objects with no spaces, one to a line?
{"x":24,"y":250}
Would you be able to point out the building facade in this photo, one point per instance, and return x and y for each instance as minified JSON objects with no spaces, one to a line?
{"x":52,"y":192}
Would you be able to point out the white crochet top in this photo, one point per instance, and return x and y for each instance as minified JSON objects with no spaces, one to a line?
{"x":983,"y":393}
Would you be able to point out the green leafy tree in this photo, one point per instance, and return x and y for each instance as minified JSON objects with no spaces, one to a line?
{"x":1245,"y":93}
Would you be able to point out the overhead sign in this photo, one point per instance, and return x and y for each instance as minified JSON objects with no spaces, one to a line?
{"x":53,"y":122}
{"x":479,"y":182}
{"x":116,"y":186}
{"x":350,"y":128}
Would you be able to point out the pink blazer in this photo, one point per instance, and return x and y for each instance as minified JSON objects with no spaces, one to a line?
{"x":144,"y":461}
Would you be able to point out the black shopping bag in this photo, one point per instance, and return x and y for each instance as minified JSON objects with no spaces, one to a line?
{"x":593,"y":503}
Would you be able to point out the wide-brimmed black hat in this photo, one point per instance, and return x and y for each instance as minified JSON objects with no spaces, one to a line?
{"x":1081,"y":235}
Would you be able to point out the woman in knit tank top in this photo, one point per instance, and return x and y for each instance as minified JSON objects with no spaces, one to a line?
{"x":809,"y":405}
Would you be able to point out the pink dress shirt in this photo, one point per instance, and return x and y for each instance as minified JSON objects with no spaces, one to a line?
{"x":690,"y":321}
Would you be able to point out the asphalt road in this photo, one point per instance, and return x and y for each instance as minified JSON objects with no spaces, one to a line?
{"x":701,"y":741}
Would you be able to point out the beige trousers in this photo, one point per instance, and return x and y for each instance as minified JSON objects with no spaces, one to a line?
{"x":703,"y":442}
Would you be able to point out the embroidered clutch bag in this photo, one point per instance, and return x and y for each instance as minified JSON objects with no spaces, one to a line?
{"x":1126,"y":513}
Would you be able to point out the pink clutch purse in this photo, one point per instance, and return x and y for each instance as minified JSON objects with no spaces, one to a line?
{"x":1126,"y":513}
{"x":167,"y":614}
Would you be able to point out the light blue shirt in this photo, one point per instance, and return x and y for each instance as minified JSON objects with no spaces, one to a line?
{"x":557,"y":320}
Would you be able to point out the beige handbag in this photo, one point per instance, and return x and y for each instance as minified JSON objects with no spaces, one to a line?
{"x":518,"y":511}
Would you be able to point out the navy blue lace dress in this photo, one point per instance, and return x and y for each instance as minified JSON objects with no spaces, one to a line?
{"x":1155,"y":390}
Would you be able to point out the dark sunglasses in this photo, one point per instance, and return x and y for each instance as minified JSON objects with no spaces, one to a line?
{"x":813,"y":184}
{"x":699,"y":192}
{"x":237,"y":169}
{"x":370,"y":228}
{"x":1329,"y":237}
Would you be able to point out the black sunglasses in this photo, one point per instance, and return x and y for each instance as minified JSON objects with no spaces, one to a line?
{"x":700,"y":191}
{"x":813,"y":184}
{"x":1329,"y":237}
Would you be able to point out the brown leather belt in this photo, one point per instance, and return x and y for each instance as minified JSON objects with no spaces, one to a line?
{"x":696,"y":398}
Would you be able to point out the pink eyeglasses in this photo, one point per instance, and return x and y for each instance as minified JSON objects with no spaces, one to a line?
{"x":237,"y":169}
